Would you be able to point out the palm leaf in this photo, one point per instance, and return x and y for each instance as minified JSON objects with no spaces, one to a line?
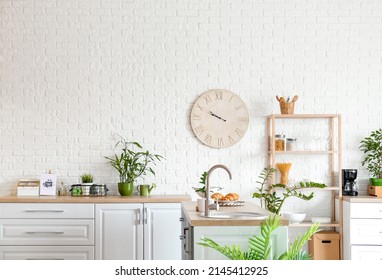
{"x":260,"y":246}
{"x":232,"y":252}
{"x":294,"y":251}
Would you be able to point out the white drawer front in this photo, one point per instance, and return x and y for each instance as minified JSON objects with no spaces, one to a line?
{"x":46,"y":253}
{"x":46,"y":232}
{"x":366,"y":210}
{"x":46,"y":211}
{"x":370,"y":253}
{"x":366,"y":231}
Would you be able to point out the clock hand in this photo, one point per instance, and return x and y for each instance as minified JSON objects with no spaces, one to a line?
{"x":216,"y":116}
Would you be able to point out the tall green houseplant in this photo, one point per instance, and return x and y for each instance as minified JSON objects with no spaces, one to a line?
{"x":131,"y":163}
{"x":371,"y":146}
{"x":272,"y":200}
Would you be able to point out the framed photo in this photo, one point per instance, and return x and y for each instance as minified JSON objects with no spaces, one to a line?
{"x":48,"y":184}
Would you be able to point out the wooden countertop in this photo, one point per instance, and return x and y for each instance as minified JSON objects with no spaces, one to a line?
{"x":362,"y":199}
{"x":95,"y":199}
{"x":189,"y":208}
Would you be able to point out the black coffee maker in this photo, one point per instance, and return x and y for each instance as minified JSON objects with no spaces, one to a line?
{"x":349,"y":185}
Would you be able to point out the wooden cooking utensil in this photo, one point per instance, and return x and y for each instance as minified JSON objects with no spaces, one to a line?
{"x":295,"y":98}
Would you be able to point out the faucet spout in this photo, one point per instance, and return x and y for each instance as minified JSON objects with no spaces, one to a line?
{"x":207,"y":211}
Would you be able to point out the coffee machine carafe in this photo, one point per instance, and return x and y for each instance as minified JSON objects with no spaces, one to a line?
{"x":349,"y":185}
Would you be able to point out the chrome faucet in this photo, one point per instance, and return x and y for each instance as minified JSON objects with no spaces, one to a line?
{"x":207,"y":210}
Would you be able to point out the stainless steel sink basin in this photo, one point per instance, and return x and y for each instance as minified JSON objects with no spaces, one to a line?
{"x":236,"y":215}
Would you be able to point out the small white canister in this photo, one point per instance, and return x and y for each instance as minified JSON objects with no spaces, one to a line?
{"x":291,"y":144}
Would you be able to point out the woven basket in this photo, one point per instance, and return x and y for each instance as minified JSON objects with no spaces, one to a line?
{"x":287,"y":108}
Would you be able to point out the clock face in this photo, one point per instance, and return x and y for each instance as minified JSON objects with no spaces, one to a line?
{"x":219,"y":118}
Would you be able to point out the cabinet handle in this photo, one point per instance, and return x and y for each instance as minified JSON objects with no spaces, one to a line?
{"x":185,"y":237}
{"x":44,"y":232}
{"x":181,"y":219}
{"x":44,"y":211}
{"x":139,"y":216}
{"x":43,"y":259}
{"x":145,"y":215}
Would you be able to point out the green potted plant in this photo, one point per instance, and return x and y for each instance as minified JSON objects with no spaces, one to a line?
{"x":87,"y":178}
{"x":87,"y":181}
{"x":201,"y":191}
{"x":132,"y":163}
{"x":371,"y":146}
{"x":273,"y":201}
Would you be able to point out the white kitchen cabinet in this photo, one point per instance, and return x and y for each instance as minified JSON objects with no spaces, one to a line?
{"x":362,"y":230}
{"x":161,"y":231}
{"x":46,"y":231}
{"x":138,"y":231}
{"x":119,"y":231}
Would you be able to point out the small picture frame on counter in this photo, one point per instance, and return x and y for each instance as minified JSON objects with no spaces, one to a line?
{"x":48,"y":184}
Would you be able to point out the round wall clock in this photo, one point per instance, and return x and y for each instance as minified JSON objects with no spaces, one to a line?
{"x":219,"y":118}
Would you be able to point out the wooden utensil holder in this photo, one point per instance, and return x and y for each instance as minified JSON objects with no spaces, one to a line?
{"x":287,"y":108}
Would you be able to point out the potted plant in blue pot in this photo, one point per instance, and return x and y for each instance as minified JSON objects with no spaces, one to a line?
{"x":132,"y":163}
{"x":372,"y":148}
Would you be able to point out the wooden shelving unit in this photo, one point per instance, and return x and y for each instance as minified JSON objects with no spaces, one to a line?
{"x":334,"y":152}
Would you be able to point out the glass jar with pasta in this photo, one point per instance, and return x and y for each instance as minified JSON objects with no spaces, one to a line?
{"x":280,"y":142}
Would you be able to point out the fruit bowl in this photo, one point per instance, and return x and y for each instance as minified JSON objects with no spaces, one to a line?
{"x":294,"y":217}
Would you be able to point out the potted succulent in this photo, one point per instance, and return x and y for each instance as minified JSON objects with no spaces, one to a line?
{"x":371,"y":146}
{"x":132,"y":163}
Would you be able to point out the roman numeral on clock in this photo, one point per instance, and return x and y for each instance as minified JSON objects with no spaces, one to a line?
{"x":207,"y":98}
{"x":220,"y":142}
{"x":239,"y":132}
{"x":241,"y":106}
{"x":218,"y":95}
{"x":231,"y":140}
{"x":199,"y":130}
{"x":200,"y":107}
{"x":196,"y":116}
{"x":208,"y":139}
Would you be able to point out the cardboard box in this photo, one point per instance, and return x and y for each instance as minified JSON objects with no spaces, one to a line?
{"x":325,"y":245}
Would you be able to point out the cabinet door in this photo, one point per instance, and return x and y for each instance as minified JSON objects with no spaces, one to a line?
{"x":162,"y":230}
{"x":119,"y":232}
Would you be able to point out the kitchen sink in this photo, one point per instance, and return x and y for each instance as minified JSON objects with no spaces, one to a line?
{"x":236,"y":215}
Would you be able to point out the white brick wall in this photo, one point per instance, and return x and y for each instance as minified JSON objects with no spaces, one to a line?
{"x":73,"y":73}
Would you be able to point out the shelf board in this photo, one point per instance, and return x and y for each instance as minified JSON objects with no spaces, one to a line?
{"x":313,"y":189}
{"x":303,"y":116}
{"x":303,"y":152}
{"x":309,"y":224}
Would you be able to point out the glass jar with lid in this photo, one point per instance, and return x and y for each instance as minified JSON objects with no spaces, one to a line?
{"x":291,"y":144}
{"x":280,"y":142}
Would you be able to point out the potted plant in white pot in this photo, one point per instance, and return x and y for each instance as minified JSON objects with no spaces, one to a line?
{"x":371,"y":146}
{"x":132,"y":164}
{"x":201,"y":191}
{"x":87,"y":180}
